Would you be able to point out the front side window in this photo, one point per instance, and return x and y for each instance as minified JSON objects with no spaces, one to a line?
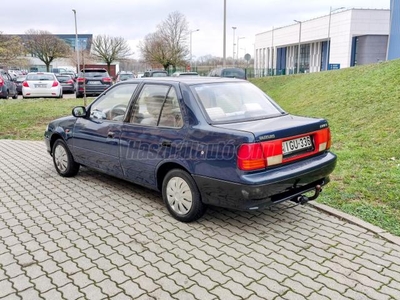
{"x":157,"y":105}
{"x":112,"y":105}
{"x":235,"y":102}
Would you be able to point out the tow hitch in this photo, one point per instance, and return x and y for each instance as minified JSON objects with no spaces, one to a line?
{"x":304,"y":199}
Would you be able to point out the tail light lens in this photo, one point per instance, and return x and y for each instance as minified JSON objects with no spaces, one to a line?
{"x":251,"y":157}
{"x":55,"y":83}
{"x":25,"y":84}
{"x":80,"y":80}
{"x":106,"y":79}
{"x":70,"y":81}
{"x":257,"y":156}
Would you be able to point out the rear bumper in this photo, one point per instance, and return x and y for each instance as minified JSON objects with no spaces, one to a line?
{"x":263,"y":189}
{"x":92,"y":89}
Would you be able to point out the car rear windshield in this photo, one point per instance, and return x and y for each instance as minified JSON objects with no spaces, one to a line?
{"x":233,"y":73}
{"x":95,"y":73}
{"x":231,"y":102}
{"x":159,"y":74}
{"x":63,"y":78}
{"x":41,"y":77}
{"x":125,"y":76}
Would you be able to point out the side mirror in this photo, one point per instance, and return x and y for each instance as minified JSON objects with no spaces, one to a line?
{"x":79,"y":111}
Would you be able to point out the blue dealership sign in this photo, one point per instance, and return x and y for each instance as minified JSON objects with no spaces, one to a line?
{"x":333,"y":66}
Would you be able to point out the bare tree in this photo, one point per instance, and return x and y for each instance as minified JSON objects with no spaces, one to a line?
{"x":154,"y":50}
{"x":109,"y":49}
{"x":11,"y":48}
{"x":46,"y":46}
{"x":168,"y":45}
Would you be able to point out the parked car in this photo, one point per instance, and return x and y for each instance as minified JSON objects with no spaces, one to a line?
{"x":19,"y":81}
{"x":155,"y":73}
{"x":67,"y":83}
{"x":58,"y":70}
{"x":92,"y":80}
{"x":228,"y":72}
{"x":70,"y":73}
{"x":199,"y":141}
{"x":124,"y":75}
{"x":176,"y":74}
{"x":8,"y":88}
{"x":41,"y":84}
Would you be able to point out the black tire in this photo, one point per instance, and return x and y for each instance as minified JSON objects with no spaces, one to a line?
{"x":79,"y":95}
{"x":63,"y":161}
{"x":15,"y":95}
{"x":61,"y":95}
{"x":182,"y":197}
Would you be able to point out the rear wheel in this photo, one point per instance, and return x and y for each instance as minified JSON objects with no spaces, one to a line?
{"x":182,"y":197}
{"x":63,"y":160}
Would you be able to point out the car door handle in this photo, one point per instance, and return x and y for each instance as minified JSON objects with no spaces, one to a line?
{"x":111,"y":134}
{"x":166,"y":144}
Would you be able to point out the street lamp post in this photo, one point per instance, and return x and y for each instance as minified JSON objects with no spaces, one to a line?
{"x":233,"y":56}
{"x":76,"y":42}
{"x":239,"y":38}
{"x":191,"y":47}
{"x":224,"y":39}
{"x":298,"y":48}
{"x":328,"y":51}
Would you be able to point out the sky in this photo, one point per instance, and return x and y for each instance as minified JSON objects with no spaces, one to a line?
{"x":134,"y":19}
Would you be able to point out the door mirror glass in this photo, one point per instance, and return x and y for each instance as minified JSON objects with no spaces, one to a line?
{"x":79,"y":111}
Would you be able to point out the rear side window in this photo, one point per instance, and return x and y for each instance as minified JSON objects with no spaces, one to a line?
{"x":157,"y":105}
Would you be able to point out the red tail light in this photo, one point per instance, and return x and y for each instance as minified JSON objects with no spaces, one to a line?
{"x":55,"y":83}
{"x":80,"y":80}
{"x":106,"y":79}
{"x":250,"y":157}
{"x":70,"y":81}
{"x":257,"y":156}
{"x":1,"y":81}
{"x":323,"y":139}
{"x":25,"y":84}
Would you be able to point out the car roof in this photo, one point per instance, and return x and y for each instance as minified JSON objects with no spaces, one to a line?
{"x":188,"y":79}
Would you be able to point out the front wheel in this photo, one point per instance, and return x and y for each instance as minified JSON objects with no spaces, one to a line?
{"x":63,"y":160}
{"x":182,"y":197}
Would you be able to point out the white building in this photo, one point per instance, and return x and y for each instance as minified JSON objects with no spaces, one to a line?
{"x":354,"y":37}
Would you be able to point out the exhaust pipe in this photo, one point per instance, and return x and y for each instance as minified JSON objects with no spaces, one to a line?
{"x":302,"y":199}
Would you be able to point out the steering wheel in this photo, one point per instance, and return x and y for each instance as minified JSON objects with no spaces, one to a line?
{"x":117,"y":110}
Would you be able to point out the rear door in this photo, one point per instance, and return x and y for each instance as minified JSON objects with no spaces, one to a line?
{"x":154,"y":134}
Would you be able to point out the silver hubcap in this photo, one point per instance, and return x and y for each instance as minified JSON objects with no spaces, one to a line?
{"x":179,"y":195}
{"x":61,"y":158}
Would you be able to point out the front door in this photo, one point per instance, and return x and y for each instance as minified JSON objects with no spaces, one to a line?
{"x":96,"y":139}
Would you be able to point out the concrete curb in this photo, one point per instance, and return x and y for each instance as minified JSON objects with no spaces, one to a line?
{"x":356,"y":221}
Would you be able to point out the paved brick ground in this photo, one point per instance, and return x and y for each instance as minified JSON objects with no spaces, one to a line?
{"x":95,"y":237}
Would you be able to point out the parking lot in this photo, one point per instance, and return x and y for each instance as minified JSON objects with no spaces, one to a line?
{"x":96,"y":237}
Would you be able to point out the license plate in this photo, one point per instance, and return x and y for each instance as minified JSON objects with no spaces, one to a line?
{"x":40,"y":85}
{"x":296,"y":145}
{"x":94,"y":82}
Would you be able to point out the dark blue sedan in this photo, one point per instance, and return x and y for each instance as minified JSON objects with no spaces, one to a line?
{"x":199,"y":141}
